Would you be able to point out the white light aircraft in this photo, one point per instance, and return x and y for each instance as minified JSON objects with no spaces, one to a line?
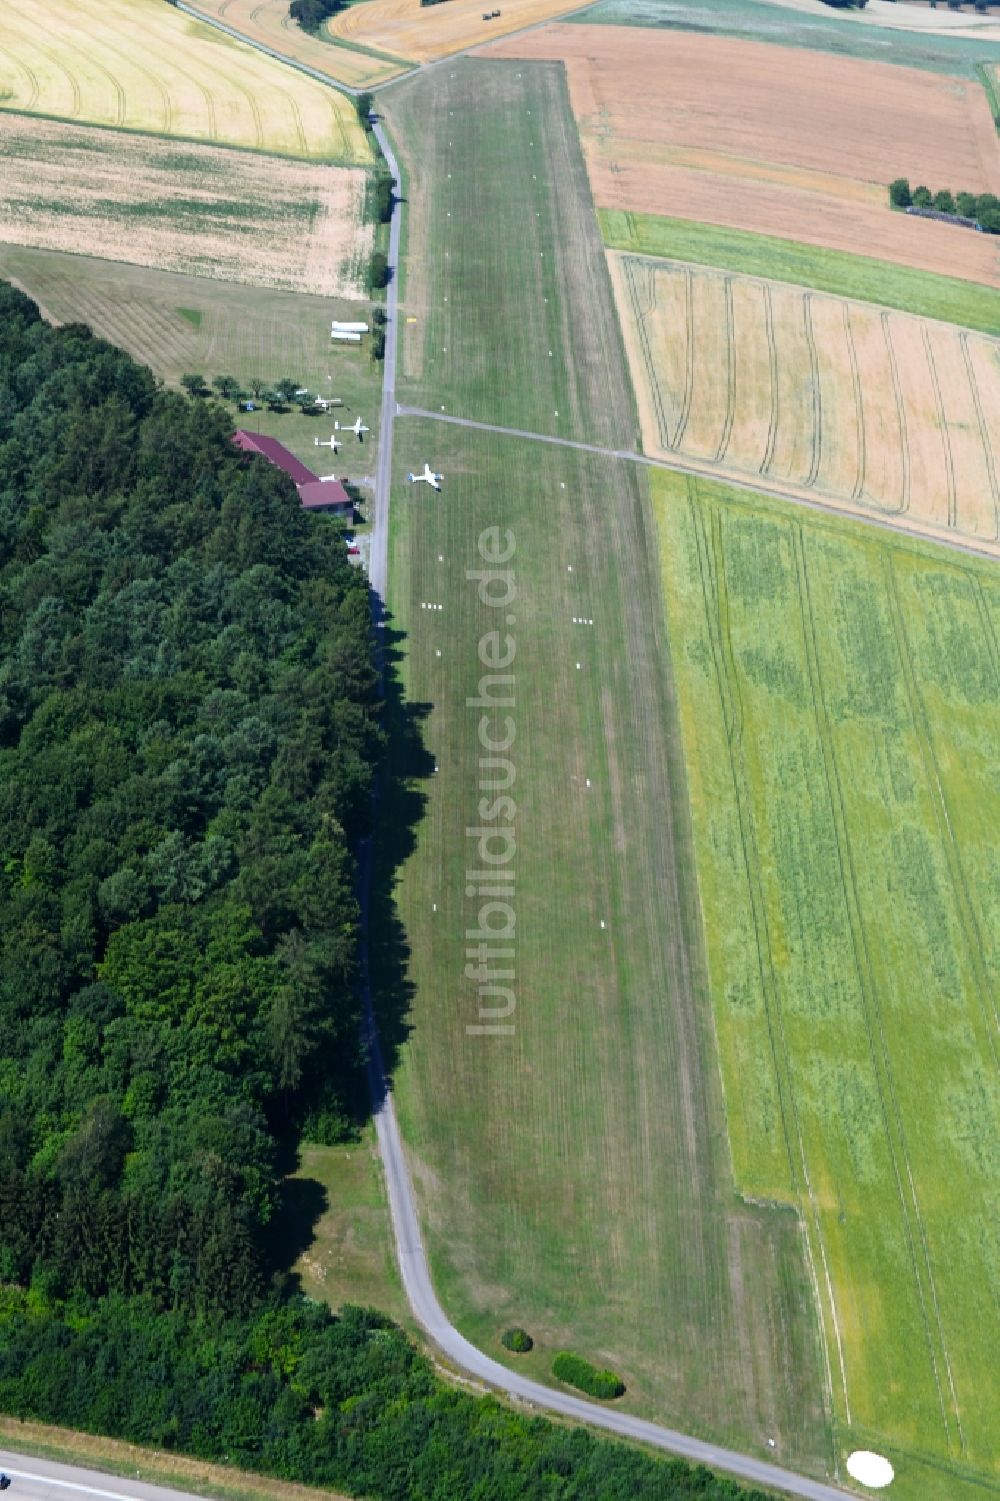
{"x":356,"y":427}
{"x":334,"y":443}
{"x":428,"y":478}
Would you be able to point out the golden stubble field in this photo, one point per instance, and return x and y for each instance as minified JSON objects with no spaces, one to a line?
{"x":268,"y":21}
{"x":871,"y":409}
{"x":423,"y":33}
{"x":143,"y":65}
{"x":795,"y":144}
{"x":263,"y":221}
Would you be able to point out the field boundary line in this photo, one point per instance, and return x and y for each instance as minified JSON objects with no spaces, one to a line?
{"x":711,"y":568}
{"x":730,"y":417}
{"x":966,"y":909}
{"x":895,"y":1137}
{"x":859,"y":405}
{"x":897,"y":392}
{"x":949,"y":466}
{"x":984,"y":433}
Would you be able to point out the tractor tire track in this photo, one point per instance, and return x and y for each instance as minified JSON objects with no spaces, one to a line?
{"x":817,"y":395}
{"x":859,"y":406}
{"x":712,"y":571}
{"x":892,"y":1122}
{"x":643,"y":305}
{"x":966,"y":911}
{"x":897,"y":392}
{"x":685,"y":412}
{"x":772,"y":353}
{"x":34,"y":88}
{"x":727,"y":426}
{"x":949,"y":465}
{"x":984,"y":434}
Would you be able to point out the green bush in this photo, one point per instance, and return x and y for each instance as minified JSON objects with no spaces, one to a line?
{"x":966,"y":204}
{"x":990,"y":221}
{"x":944,"y":202}
{"x":899,"y":193}
{"x":576,"y":1371}
{"x":378,"y":272}
{"x":519,"y":1341}
{"x":922,"y":197}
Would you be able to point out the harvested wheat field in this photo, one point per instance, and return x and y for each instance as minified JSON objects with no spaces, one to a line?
{"x":142,"y":65}
{"x":408,"y":29}
{"x":263,"y":221}
{"x":816,"y":395}
{"x":268,"y":21}
{"x":729,"y":133}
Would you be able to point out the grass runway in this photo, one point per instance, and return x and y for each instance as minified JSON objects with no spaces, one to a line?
{"x":573,"y":1176}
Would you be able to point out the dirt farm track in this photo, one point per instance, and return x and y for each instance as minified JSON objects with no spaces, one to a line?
{"x":807,"y":155}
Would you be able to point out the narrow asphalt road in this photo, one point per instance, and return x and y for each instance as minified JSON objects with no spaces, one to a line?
{"x":46,"y":1480}
{"x":889,"y":523}
{"x":280,"y":57}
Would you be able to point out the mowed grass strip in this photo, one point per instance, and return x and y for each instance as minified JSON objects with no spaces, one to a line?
{"x":572,"y":1176}
{"x":143,"y":65}
{"x":269,"y":22}
{"x":204,"y":210}
{"x":922,"y":292}
{"x":840,"y":702}
{"x":513,"y":318}
{"x":872,"y":409}
{"x":175,"y":324}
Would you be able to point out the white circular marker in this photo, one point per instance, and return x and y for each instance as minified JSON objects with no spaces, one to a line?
{"x":871,"y":1470}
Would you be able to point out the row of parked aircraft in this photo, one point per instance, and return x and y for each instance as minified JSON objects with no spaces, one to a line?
{"x":427,"y":477}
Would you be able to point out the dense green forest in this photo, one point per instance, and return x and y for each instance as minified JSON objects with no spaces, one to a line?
{"x":189,"y":730}
{"x":295,"y":1392}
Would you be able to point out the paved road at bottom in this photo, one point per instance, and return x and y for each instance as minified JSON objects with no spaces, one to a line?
{"x":898,"y":525}
{"x":46,"y":1480}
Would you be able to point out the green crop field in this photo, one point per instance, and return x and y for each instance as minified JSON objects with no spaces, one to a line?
{"x":176,"y":323}
{"x":840,"y":702}
{"x":921,"y":292}
{"x":844,"y":35}
{"x":572,"y":1174}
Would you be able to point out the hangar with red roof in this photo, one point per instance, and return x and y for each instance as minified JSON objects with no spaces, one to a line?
{"x":315,"y":494}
